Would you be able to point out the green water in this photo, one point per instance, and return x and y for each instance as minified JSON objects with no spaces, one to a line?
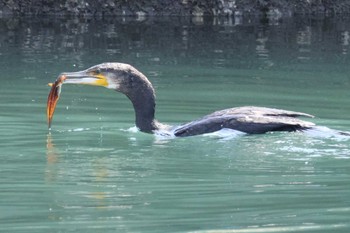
{"x":95,"y":173}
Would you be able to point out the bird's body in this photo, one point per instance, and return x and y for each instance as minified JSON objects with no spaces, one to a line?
{"x":129,"y":81}
{"x":248,"y":119}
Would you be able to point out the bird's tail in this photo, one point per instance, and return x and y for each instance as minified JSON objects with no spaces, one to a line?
{"x":344,"y":133}
{"x":325,"y":132}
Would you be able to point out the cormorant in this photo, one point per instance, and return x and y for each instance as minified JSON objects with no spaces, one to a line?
{"x":128,"y":80}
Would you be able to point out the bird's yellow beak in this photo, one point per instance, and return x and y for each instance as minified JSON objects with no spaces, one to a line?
{"x":86,"y":78}
{"x":81,"y":77}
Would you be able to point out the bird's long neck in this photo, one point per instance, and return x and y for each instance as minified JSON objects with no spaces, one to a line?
{"x":142,"y":96}
{"x":144,"y":106}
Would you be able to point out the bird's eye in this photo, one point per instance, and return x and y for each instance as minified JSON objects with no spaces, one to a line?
{"x":95,"y":72}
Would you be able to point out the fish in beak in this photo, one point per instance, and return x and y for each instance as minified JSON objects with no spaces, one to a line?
{"x":81,"y":77}
{"x":53,"y":97}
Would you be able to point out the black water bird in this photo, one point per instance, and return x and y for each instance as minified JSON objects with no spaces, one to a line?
{"x":126,"y":79}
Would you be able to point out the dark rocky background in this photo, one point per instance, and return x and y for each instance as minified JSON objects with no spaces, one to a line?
{"x":141,"y":8}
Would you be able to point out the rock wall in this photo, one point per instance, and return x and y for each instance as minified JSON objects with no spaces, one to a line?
{"x":173,"y":7}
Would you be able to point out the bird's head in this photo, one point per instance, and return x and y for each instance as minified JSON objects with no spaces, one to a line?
{"x":121,"y":77}
{"x":117,"y":76}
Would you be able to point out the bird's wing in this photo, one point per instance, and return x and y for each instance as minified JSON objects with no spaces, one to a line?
{"x":258,"y":111}
{"x":252,"y":120}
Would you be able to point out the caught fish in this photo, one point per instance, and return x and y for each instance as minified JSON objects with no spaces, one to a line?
{"x":53,"y":97}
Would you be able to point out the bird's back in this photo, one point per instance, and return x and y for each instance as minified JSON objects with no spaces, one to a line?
{"x":249,"y":119}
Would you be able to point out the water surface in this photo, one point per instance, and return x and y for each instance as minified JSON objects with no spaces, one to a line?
{"x":95,"y":173}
